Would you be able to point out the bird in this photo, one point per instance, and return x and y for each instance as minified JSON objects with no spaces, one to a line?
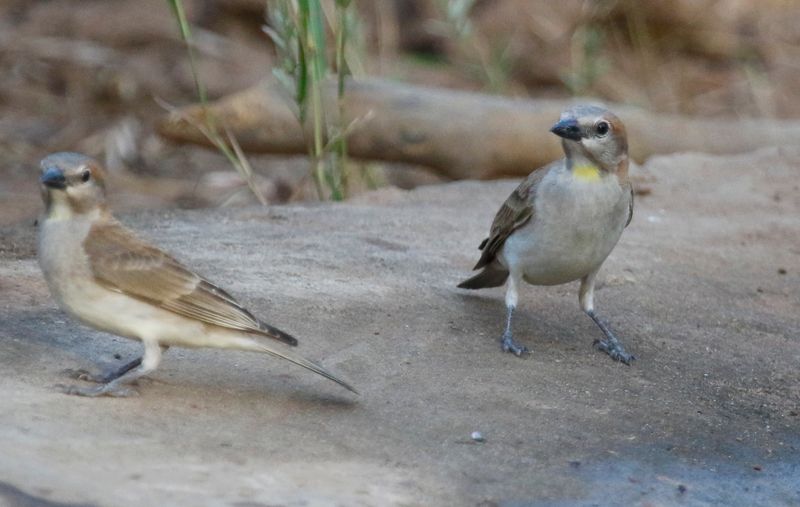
{"x":562,"y":221}
{"x":105,"y":276}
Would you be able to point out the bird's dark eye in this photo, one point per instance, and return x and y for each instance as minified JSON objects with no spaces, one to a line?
{"x":85,"y":176}
{"x":602,"y":128}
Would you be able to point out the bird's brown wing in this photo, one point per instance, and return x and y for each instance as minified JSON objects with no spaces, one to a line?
{"x":124,"y":263}
{"x":513,"y":214}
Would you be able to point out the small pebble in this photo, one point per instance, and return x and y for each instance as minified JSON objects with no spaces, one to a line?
{"x":478,"y":436}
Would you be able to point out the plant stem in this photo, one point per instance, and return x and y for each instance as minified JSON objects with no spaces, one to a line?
{"x":341,"y":72}
{"x":313,"y":40}
{"x":186,"y":35}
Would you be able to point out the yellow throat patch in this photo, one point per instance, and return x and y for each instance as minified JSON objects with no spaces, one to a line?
{"x":586,"y":172}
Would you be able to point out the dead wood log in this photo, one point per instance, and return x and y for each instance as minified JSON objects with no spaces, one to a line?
{"x":460,"y":134}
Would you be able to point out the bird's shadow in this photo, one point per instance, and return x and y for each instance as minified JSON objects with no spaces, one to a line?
{"x":264,"y":387}
{"x":42,"y":339}
{"x":533,"y":321}
{"x":17,"y":497}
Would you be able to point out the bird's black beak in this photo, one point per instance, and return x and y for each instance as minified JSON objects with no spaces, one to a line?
{"x":53,"y":177}
{"x":568,"y":129}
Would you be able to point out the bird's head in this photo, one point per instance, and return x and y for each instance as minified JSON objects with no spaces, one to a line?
{"x":72,"y":184}
{"x":594,"y":135}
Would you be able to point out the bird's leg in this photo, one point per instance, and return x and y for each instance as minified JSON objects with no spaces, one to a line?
{"x":509,"y":345}
{"x":116,"y":386}
{"x":611,"y":345}
{"x":108,"y":376}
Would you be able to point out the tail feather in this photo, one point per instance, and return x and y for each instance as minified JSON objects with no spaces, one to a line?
{"x":302,"y":361}
{"x":491,"y":276}
{"x":277,"y":334}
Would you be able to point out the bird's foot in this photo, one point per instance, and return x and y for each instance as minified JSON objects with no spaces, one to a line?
{"x":615,"y":350}
{"x":109,"y":389}
{"x":104,"y":377}
{"x":509,"y":345}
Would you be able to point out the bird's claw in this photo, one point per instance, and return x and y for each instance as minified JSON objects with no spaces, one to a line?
{"x":509,"y":345}
{"x":81,"y":374}
{"x":615,"y":351}
{"x":101,"y":390}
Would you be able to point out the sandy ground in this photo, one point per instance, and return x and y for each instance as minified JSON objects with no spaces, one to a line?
{"x":704,"y":288}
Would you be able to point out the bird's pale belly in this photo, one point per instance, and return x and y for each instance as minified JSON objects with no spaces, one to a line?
{"x":126,"y":316}
{"x":569,"y":239}
{"x":546,"y":262}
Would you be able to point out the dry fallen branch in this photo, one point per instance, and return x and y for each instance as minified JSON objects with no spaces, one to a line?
{"x":460,"y":134}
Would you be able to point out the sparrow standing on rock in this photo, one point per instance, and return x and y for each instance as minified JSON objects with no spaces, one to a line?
{"x":106,"y":277}
{"x":563,"y":220}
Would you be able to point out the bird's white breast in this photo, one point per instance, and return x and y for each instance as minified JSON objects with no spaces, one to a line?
{"x":61,"y":254}
{"x":576,"y":223}
{"x":66,"y":268}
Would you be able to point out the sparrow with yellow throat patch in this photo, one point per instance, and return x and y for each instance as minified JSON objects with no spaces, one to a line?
{"x":105,"y":276}
{"x":563,"y":220}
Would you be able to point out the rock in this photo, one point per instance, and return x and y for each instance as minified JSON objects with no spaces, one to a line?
{"x":368,"y":287}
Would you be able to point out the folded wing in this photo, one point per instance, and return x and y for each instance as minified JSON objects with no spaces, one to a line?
{"x":513,"y":214}
{"x":125,"y":263}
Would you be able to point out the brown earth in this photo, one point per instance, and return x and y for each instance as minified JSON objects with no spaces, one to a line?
{"x":704,"y":288}
{"x":92,"y":76}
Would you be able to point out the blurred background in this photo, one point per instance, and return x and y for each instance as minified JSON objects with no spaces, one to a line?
{"x":96,"y":75}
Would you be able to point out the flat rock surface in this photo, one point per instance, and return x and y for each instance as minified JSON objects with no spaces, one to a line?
{"x":704,"y":288}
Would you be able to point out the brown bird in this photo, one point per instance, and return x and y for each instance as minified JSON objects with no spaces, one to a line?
{"x":105,"y":276}
{"x":563,"y":220}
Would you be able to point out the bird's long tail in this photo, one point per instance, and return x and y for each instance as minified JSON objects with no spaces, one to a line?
{"x":268,"y":348}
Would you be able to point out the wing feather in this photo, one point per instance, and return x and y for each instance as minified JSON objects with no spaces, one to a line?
{"x":125,"y":263}
{"x":515,"y":212}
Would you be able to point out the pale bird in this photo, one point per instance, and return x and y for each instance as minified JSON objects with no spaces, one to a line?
{"x":563,"y":220}
{"x":105,"y":276}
